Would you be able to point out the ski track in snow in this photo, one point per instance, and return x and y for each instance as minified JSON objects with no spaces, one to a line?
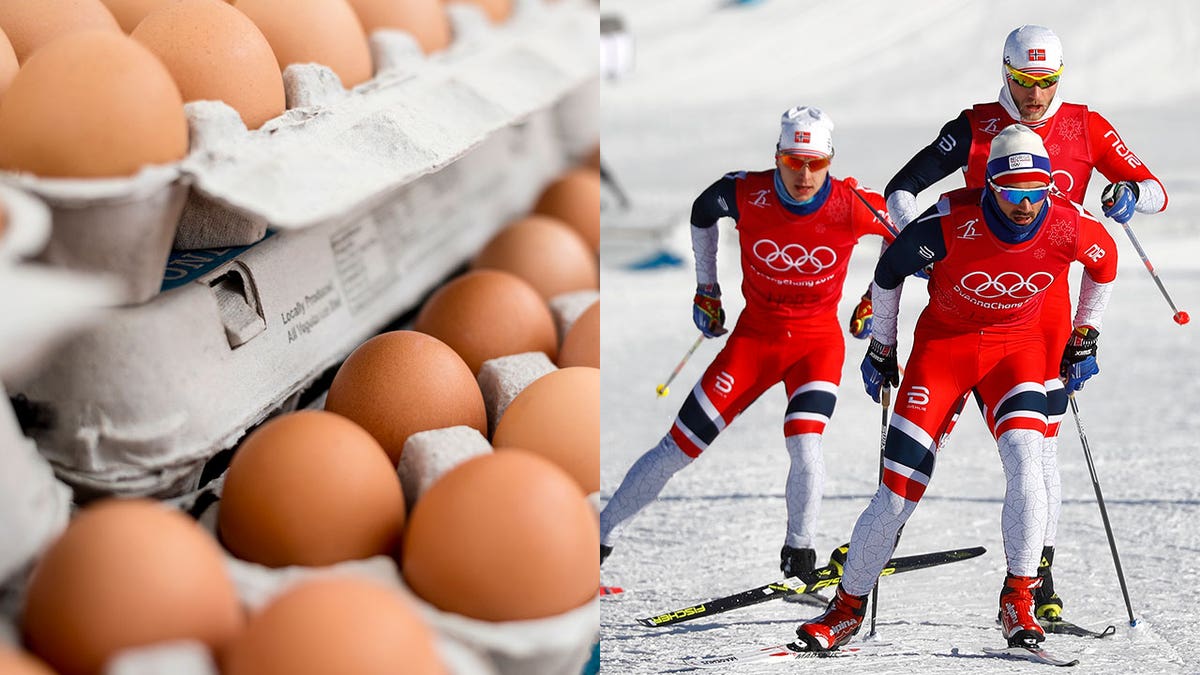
{"x":705,"y":98}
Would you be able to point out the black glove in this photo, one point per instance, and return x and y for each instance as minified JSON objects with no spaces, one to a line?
{"x":1079,"y":358}
{"x":879,"y":366}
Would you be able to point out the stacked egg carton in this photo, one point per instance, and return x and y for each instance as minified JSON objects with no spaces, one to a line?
{"x":372,"y":197}
{"x":315,"y":253}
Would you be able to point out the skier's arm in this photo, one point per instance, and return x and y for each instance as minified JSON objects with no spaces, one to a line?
{"x":718,"y":201}
{"x":947,"y":153}
{"x":1098,"y":253}
{"x":1116,"y":162}
{"x":920,"y":244}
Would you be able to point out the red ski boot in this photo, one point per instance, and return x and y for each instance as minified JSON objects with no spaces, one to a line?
{"x":837,"y":625}
{"x":1020,"y":626}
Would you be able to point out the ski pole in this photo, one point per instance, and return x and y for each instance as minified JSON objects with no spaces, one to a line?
{"x":1112,"y":543}
{"x":885,"y":400}
{"x":1180,"y":317}
{"x":664,"y":389}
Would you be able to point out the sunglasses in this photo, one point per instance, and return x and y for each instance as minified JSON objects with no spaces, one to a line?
{"x":1027,"y":81}
{"x":1016,"y":195}
{"x":799,"y":162}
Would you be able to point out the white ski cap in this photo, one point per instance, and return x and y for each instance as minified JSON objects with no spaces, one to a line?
{"x":1034,"y":50}
{"x":1018,"y":155}
{"x":805,"y":130}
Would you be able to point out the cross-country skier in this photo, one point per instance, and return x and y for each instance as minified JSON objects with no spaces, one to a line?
{"x":996,"y":252}
{"x":798,"y":226}
{"x":1078,"y":140}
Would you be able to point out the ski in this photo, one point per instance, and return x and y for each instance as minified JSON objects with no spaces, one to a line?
{"x":824,"y":577}
{"x":785,"y":652}
{"x":1061,"y":627}
{"x":1036,"y":654}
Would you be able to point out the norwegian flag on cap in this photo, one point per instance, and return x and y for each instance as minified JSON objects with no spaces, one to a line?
{"x":1037,"y":54}
{"x":805,"y":130}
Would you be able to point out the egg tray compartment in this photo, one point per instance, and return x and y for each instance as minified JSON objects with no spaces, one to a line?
{"x":138,"y":404}
{"x":24,"y":227}
{"x":339,"y":153}
{"x":336,"y":154}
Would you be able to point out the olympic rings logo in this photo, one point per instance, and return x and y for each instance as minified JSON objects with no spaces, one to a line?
{"x":1011,"y":284}
{"x":794,"y":257}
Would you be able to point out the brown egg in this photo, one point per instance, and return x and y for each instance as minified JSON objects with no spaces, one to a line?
{"x":581,"y":347}
{"x":543,"y":251}
{"x":216,"y":53}
{"x":30,"y":25}
{"x":558,"y":417}
{"x":575,"y":199}
{"x":129,"y":13}
{"x":313,"y":31}
{"x":486,"y":314}
{"x":496,"y":10}
{"x":91,"y":104}
{"x":127,"y":573}
{"x":8,"y":63}
{"x":402,"y":382}
{"x":425,"y":20}
{"x":333,"y":625}
{"x":16,"y":662}
{"x":529,"y":553}
{"x":310,"y":488}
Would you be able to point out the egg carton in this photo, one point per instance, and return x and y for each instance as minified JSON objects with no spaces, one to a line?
{"x":334,"y":154}
{"x":338,"y":153}
{"x":24,"y":227}
{"x":139,"y":403}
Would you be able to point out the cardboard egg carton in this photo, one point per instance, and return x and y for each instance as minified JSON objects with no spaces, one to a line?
{"x":139,"y":403}
{"x":338,"y":153}
{"x":334,"y":154}
{"x":25,"y":227}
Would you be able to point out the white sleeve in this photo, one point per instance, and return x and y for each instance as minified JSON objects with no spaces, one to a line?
{"x":886,"y":307}
{"x":1093,"y":299}
{"x":1151,"y":196}
{"x":902,"y":207}
{"x":704,"y":247}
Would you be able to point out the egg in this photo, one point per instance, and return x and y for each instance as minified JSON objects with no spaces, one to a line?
{"x":497,"y":11}
{"x":30,"y":25}
{"x":127,"y":573}
{"x":129,"y":13}
{"x":310,"y":488}
{"x":527,"y":548}
{"x":91,"y":104}
{"x":15,"y":662}
{"x":8,"y":63}
{"x":485,"y":314}
{"x":313,"y":31}
{"x":581,"y":346}
{"x":558,"y":417}
{"x":333,"y":625}
{"x":215,"y":52}
{"x":402,"y":382}
{"x":543,"y":251}
{"x":574,"y":198}
{"x":425,"y":20}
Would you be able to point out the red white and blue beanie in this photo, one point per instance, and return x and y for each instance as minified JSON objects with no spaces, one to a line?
{"x":1018,"y":155}
{"x":1033,"y":50}
{"x":805,"y":130}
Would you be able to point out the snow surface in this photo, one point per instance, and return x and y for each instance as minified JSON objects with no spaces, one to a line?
{"x":709,"y":83}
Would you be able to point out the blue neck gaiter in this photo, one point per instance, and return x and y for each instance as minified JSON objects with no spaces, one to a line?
{"x":808,"y":206}
{"x":1008,"y":231}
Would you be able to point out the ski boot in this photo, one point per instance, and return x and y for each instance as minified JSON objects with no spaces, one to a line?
{"x":604,"y":552}
{"x":1047,"y":604}
{"x":794,"y":562}
{"x":837,"y":625}
{"x":1020,"y":626}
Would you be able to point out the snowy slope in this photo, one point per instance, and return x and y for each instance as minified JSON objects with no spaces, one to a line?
{"x":705,"y":97}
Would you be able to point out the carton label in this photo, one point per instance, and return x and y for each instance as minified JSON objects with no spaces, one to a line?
{"x":364,"y":270}
{"x":303,"y":315}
